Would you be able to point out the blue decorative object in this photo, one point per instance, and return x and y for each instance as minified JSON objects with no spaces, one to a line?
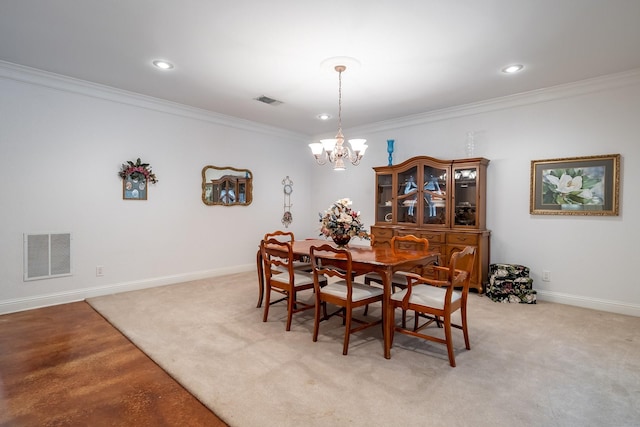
{"x":390,"y":150}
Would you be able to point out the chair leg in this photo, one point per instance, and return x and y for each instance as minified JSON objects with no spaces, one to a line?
{"x":316,"y":319}
{"x":267,"y":304}
{"x":449,"y":340}
{"x":347,"y":330}
{"x":260,"y":278}
{"x":465,"y":331}
{"x":290,"y":307}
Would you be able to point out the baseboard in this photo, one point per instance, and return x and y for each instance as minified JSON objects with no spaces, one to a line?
{"x":39,"y":301}
{"x":593,"y":303}
{"x":29,"y":303}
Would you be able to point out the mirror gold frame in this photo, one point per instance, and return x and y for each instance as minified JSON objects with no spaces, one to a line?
{"x":226,"y":186}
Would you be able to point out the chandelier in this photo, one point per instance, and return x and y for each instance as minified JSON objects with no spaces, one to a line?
{"x":333,"y":150}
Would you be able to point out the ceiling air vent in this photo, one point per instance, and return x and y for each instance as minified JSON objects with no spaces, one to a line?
{"x":267,"y":100}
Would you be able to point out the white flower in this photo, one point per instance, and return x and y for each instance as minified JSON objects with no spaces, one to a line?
{"x":566,"y":183}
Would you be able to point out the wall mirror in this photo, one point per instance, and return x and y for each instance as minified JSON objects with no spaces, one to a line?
{"x":226,"y":186}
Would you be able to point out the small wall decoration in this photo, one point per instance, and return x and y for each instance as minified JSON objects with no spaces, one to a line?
{"x":226,"y":186}
{"x":135,"y":179}
{"x":390,"y":150}
{"x":575,"y":186}
{"x":287,"y":187}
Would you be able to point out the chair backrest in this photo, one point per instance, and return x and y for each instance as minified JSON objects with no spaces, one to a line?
{"x":337,"y":265}
{"x":283,"y":236}
{"x":461,"y":268}
{"x":277,"y":257}
{"x":409,"y":241}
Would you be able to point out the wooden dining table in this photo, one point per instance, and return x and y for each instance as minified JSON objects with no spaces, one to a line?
{"x":366,"y":259}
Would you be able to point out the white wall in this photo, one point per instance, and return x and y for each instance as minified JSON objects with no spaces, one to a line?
{"x":62,"y":143}
{"x":61,"y":146}
{"x":589,"y":257}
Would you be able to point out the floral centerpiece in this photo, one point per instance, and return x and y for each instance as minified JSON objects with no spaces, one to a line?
{"x":137,"y":171}
{"x":341,"y":223}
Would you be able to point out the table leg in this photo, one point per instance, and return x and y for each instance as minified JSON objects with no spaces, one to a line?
{"x":260,"y":279}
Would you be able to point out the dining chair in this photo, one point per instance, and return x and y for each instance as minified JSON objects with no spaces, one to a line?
{"x":399,"y":278}
{"x":298,"y":264}
{"x":288,"y":236}
{"x":436,"y":300}
{"x":281,"y":277}
{"x":341,"y":290}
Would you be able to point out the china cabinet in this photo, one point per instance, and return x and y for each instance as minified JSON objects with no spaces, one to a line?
{"x":441,"y":200}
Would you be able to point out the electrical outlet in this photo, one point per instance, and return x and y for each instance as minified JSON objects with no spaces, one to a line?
{"x":546,"y":276}
{"x":99,"y":271}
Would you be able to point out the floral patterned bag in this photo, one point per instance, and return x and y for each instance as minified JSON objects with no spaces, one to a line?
{"x":510,"y":283}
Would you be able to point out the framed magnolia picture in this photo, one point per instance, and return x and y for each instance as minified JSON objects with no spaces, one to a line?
{"x":575,"y":186}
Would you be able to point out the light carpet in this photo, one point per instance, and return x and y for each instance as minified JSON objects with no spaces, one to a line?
{"x":529,"y":365}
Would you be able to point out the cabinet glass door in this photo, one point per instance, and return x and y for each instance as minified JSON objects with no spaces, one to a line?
{"x":242,"y":191}
{"x":408,"y":199}
{"x":384,"y":198}
{"x":465,"y":196}
{"x":434,"y":192}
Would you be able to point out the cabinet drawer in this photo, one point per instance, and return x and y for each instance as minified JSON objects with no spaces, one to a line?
{"x":433,"y":237}
{"x":462,"y":239}
{"x":382,"y":233}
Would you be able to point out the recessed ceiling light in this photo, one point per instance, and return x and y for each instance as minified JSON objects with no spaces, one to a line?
{"x":163,"y":65}
{"x":324,"y":116}
{"x":513,"y":68}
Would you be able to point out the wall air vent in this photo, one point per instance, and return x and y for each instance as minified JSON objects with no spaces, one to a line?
{"x":47,"y":256}
{"x":267,"y":100}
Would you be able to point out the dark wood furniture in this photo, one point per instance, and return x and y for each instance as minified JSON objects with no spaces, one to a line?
{"x":280,"y":276}
{"x":367,"y":259}
{"x":399,"y":278}
{"x":283,"y":236}
{"x":343,"y":292}
{"x":443,"y":201}
{"x":436,"y":300}
{"x":399,"y":243}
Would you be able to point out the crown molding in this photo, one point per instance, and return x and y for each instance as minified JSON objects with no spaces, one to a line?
{"x":582,"y":87}
{"x":34,"y":76}
{"x":51,"y":80}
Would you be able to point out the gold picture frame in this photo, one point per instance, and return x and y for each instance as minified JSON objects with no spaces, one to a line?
{"x":576,"y":186}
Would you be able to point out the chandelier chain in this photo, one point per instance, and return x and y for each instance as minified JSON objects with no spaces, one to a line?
{"x":340,"y":99}
{"x":334,"y":150}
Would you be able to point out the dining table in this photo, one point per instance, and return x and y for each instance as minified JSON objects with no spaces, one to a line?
{"x":366,"y":259}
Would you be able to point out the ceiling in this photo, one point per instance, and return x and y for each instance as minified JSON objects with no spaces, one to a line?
{"x":404,"y":57}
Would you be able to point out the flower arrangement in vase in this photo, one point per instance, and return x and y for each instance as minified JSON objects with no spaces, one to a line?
{"x":341,"y":223}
